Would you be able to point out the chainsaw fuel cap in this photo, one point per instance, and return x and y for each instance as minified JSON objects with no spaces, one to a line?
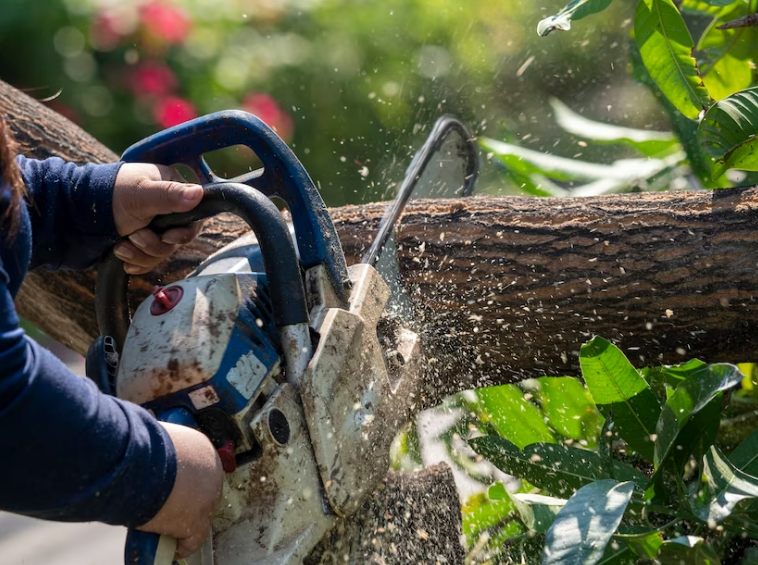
{"x":164,"y":299}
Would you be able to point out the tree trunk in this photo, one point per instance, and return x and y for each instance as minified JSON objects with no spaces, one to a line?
{"x":504,"y":288}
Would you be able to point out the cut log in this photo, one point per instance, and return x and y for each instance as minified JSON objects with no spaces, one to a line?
{"x":504,"y":288}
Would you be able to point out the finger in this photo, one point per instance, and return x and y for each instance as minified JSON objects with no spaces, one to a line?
{"x":189,"y":545}
{"x":134,"y":257}
{"x":151,"y":243}
{"x":150,"y":198}
{"x":182,"y":235}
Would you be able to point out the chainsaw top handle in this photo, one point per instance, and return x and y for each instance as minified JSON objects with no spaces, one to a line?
{"x":282,"y":176}
{"x":263,"y":217}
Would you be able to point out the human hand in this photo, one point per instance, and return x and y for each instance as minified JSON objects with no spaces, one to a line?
{"x":141,"y":192}
{"x":187,"y":513}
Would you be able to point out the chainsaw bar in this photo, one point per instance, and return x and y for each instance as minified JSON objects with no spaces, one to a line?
{"x":446,"y":166}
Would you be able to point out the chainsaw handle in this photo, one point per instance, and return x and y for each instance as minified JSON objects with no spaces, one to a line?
{"x":146,"y":548}
{"x":283,"y":176}
{"x":263,"y":217}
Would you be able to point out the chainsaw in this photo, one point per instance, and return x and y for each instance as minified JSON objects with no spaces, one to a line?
{"x":299,"y":369}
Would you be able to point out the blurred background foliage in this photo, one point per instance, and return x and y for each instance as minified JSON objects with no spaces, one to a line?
{"x":353,"y":86}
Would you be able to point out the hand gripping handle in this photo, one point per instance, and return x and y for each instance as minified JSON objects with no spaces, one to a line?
{"x":283,"y":176}
{"x":282,"y":267}
{"x":146,"y":548}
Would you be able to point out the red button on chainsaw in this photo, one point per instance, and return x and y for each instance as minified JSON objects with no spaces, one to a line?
{"x":226,"y":454}
{"x":164,"y":299}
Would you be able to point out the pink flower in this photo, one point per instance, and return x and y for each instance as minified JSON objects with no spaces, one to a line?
{"x":105,"y":32}
{"x":172,"y":110}
{"x":266,"y":108}
{"x":165,"y":22}
{"x":152,"y":78}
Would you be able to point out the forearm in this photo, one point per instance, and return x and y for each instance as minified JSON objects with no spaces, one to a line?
{"x":71,"y":211}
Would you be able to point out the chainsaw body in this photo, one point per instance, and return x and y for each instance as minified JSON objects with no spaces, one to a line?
{"x":288,"y":362}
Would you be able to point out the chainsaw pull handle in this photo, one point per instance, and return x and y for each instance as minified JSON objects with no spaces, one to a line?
{"x":283,"y":176}
{"x":263,"y":217}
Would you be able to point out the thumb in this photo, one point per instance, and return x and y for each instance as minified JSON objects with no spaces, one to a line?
{"x":153,"y":198}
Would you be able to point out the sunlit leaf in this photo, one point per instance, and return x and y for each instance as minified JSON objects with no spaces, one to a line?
{"x":582,"y":529}
{"x":723,"y":54}
{"x":648,"y":142}
{"x":728,"y":133}
{"x":557,"y":469}
{"x":666,"y":46}
{"x":574,"y":10}
{"x":537,"y":511}
{"x":687,"y":549}
{"x":621,"y":174}
{"x":513,"y":417}
{"x":644,"y":544}
{"x":664,"y":379}
{"x":620,"y":392}
{"x":569,"y":408}
{"x":481,"y":513}
{"x":692,"y":396}
{"x":725,"y":487}
{"x":702,"y":7}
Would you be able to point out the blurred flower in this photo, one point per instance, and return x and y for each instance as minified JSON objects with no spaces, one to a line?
{"x":111,"y":24}
{"x":104,"y":31}
{"x":172,"y":110}
{"x":165,"y":22}
{"x":266,"y":108}
{"x":152,"y":78}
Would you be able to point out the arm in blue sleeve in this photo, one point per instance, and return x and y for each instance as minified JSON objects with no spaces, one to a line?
{"x":69,"y":452}
{"x":71,"y":211}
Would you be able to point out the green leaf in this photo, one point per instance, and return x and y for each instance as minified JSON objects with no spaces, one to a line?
{"x":728,"y":133}
{"x":702,"y":7}
{"x":527,"y":162}
{"x":645,"y":544}
{"x":537,"y":511}
{"x":722,"y":54}
{"x":648,"y":142}
{"x":620,"y":392}
{"x":557,"y":469}
{"x":583,"y":528}
{"x":569,"y":408}
{"x":621,"y":555}
{"x":690,"y":397}
{"x":480,"y":514}
{"x":687,"y":549}
{"x":665,"y":46}
{"x":725,"y":487}
{"x":665,"y":378}
{"x":574,"y":10}
{"x":512,"y":416}
{"x":745,"y":455}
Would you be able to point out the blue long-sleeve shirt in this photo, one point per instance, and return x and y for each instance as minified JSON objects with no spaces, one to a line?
{"x":67,"y":451}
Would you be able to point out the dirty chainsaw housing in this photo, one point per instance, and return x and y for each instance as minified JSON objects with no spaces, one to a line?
{"x":295,"y":459}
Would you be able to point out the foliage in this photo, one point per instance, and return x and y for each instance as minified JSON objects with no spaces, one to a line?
{"x":711,"y":82}
{"x":603,"y":493}
{"x":353,"y":87}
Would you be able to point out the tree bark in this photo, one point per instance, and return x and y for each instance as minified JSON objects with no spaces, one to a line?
{"x":504,"y":288}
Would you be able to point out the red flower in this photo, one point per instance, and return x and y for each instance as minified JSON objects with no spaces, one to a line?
{"x":266,"y":108}
{"x":165,"y":21}
{"x":153,"y":78}
{"x":172,"y":110}
{"x":105,"y":32}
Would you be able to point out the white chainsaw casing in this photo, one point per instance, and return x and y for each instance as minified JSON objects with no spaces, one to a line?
{"x":353,"y":398}
{"x":273,"y":510}
{"x":183,"y":347}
